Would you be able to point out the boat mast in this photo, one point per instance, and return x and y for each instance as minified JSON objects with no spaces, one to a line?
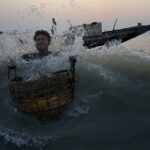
{"x":115,"y":24}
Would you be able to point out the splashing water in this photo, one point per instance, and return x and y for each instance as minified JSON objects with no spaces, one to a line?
{"x":108,"y":80}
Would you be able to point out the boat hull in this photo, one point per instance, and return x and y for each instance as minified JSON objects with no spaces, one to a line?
{"x":122,"y":35}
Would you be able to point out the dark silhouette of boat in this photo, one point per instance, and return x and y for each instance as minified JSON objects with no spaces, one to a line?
{"x":94,"y":37}
{"x":122,"y":35}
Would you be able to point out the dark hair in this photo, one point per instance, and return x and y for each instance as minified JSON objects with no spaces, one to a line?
{"x":43,"y":32}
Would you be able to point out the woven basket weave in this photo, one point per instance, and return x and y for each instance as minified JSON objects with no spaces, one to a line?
{"x":45,"y":97}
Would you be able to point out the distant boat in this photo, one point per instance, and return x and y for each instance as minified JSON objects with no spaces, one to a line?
{"x":122,"y":34}
{"x":94,"y":37}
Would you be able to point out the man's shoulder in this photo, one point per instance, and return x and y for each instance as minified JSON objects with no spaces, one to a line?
{"x":30,"y":56}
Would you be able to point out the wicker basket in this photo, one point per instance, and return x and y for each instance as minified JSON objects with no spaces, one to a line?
{"x":45,"y":97}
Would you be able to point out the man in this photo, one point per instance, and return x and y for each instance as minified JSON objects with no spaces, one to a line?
{"x":42,"y":42}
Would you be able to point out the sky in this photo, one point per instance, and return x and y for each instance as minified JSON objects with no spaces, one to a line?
{"x":27,"y":14}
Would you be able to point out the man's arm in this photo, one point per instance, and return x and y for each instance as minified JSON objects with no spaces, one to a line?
{"x":72,"y":59}
{"x":26,"y":57}
{"x":29,"y":56}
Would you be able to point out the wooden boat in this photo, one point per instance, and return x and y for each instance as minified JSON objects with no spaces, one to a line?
{"x":45,"y":97}
{"x":94,"y":37}
{"x":122,"y":35}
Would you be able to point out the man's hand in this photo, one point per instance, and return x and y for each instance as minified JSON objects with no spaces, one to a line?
{"x":72,"y":59}
{"x":12,"y":64}
{"x":26,"y":57}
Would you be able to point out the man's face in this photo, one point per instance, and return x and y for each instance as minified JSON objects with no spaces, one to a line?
{"x":42,"y":43}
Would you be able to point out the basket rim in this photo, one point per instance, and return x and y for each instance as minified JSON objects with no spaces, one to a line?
{"x":54,"y":74}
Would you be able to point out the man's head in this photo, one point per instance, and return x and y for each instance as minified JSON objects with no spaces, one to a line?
{"x":42,"y":40}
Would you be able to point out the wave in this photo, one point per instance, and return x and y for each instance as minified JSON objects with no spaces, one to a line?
{"x":23,"y":139}
{"x":117,"y":77}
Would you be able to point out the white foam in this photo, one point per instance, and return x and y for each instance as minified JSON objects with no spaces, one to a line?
{"x":23,"y":139}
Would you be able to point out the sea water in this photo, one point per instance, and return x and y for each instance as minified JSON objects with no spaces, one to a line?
{"x":111,"y":107}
